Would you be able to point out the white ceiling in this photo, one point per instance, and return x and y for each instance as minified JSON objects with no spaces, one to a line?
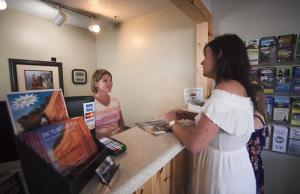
{"x":104,"y":10}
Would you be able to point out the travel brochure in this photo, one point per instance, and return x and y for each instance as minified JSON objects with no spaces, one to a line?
{"x":267,"y":50}
{"x":297,"y":49}
{"x":281,"y":108}
{"x":274,"y":49}
{"x":285,"y":48}
{"x":155,"y":127}
{"x":41,"y":120}
{"x":267,"y":79}
{"x":295,"y":111}
{"x":269,"y":105}
{"x":66,"y":145}
{"x":295,"y":83}
{"x":280,"y":137}
{"x":281,"y":79}
{"x":32,"y":110}
{"x":252,"y":47}
{"x":294,"y":141}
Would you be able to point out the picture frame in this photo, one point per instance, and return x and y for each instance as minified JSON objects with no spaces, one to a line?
{"x":35,"y":75}
{"x":79,"y":76}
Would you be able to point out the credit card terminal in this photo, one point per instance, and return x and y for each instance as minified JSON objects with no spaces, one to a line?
{"x":114,"y":146}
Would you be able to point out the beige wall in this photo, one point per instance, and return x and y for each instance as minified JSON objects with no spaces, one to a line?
{"x":152,"y":59}
{"x":256,"y":18}
{"x":23,"y":36}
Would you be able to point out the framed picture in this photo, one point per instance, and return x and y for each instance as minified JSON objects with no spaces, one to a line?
{"x":35,"y":75}
{"x":79,"y":76}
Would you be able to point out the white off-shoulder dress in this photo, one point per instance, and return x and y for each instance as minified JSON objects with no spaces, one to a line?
{"x":224,"y":166}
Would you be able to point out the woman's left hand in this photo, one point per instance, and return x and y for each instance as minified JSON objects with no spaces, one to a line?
{"x":171,"y":115}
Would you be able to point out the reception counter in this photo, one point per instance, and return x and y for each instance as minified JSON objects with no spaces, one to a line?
{"x":145,"y":155}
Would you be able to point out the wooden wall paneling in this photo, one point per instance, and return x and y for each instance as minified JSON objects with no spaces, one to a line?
{"x":171,"y":179}
{"x":179,"y":179}
{"x":146,"y":188}
{"x":161,"y":180}
{"x":160,"y":183}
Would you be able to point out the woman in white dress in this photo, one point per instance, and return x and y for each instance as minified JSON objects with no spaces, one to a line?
{"x":225,"y":123}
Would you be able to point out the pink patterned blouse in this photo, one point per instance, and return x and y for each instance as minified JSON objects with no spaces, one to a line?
{"x":107,"y":118}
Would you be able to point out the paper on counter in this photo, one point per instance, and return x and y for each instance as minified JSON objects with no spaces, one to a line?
{"x":193,"y":94}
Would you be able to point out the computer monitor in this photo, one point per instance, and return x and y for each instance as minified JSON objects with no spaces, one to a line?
{"x":7,"y":143}
{"x":82,"y":106}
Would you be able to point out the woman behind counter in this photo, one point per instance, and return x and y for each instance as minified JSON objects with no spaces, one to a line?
{"x":226,"y":122}
{"x":109,"y":120}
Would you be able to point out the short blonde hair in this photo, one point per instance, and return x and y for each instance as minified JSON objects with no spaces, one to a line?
{"x":97,"y":76}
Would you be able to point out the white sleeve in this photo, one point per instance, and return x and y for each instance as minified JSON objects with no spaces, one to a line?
{"x":230,"y":115}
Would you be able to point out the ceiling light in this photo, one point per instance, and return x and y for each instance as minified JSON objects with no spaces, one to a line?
{"x":94,"y":27}
{"x":3,"y":4}
{"x":60,"y":18}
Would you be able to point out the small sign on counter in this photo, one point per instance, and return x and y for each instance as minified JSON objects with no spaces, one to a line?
{"x":193,"y":94}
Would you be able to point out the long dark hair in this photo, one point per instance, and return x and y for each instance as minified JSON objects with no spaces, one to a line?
{"x":232,"y":62}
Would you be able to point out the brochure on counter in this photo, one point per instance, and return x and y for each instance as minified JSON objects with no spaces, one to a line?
{"x":156,"y":127}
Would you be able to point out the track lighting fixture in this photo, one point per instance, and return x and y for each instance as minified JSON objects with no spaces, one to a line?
{"x":94,"y":27}
{"x":60,"y":18}
{"x":3,"y":4}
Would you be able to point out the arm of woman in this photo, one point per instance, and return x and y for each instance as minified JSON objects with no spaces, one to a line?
{"x":200,"y":137}
{"x":182,"y":114}
{"x":121,"y":122}
{"x":179,"y":114}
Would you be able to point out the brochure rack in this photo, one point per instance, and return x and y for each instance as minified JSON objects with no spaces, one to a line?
{"x":43,"y":178}
{"x":276,"y":67}
{"x":57,"y":153}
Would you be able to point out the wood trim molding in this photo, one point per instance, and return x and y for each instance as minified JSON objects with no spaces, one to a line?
{"x":195,"y":9}
{"x":202,"y":8}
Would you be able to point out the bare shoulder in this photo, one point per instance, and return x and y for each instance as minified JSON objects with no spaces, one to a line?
{"x":233,"y":87}
{"x":257,"y":122}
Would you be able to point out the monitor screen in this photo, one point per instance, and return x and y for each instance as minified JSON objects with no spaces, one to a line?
{"x":82,"y":106}
{"x":7,"y":144}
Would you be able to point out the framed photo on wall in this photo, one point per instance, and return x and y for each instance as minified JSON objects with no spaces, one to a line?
{"x":35,"y":75}
{"x":79,"y":76}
